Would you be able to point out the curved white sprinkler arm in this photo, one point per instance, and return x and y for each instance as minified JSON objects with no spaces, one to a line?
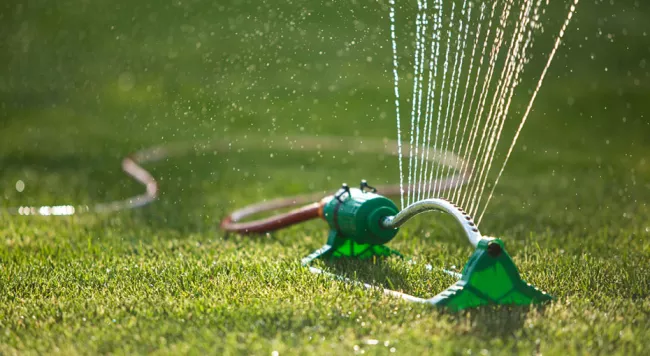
{"x":436,"y":204}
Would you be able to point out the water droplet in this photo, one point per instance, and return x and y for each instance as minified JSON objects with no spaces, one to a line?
{"x":126,"y":81}
{"x":20,"y":186}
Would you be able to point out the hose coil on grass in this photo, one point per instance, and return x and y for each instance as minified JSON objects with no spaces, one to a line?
{"x":305,"y":207}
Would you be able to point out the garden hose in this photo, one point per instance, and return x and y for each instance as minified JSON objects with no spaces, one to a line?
{"x":132,"y":166}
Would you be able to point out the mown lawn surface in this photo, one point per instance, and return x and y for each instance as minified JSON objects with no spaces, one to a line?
{"x":82,"y":84}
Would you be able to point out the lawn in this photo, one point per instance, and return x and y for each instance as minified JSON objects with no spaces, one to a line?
{"x":83,"y":84}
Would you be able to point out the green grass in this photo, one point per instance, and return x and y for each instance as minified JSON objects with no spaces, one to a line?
{"x":83,"y":84}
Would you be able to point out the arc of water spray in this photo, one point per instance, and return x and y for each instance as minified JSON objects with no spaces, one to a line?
{"x":459,"y":190}
{"x":516,"y":67}
{"x":466,"y":90}
{"x":452,"y":80}
{"x":494,"y":53}
{"x":424,"y":23}
{"x":474,"y":128}
{"x":492,"y":120}
{"x":556,"y":45}
{"x":483,"y":101}
{"x":438,"y":40}
{"x":459,"y":69}
{"x":433,"y":77}
{"x":442,"y":91}
{"x":416,"y":76}
{"x":397,"y":111}
{"x":479,"y":105}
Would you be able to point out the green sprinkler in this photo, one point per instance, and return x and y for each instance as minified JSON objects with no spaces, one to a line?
{"x":361,"y":222}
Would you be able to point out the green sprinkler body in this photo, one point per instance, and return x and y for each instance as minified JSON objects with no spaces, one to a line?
{"x":356,"y":215}
{"x":362,"y":221}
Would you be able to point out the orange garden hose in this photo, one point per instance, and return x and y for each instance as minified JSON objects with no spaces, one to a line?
{"x":273,"y":223}
{"x":306,"y":207}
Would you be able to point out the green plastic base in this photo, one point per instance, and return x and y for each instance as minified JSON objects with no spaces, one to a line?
{"x":340,"y":247}
{"x":489,"y":277}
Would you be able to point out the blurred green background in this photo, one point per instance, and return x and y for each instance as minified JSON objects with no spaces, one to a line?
{"x":84,"y":83}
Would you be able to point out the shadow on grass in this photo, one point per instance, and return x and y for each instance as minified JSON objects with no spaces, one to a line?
{"x":487,"y":322}
{"x":496,"y":321}
{"x":378,"y":273}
